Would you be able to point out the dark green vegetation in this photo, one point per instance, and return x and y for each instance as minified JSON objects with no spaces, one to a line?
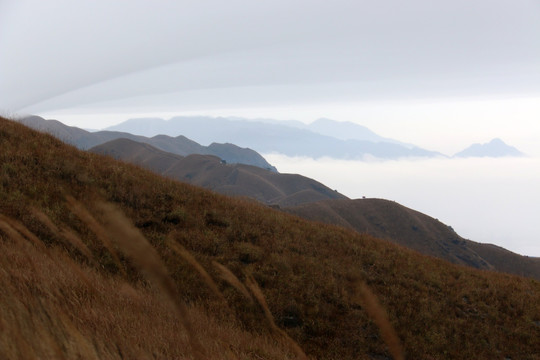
{"x":64,"y":294}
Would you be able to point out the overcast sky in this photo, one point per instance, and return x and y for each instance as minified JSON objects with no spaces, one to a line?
{"x":388,"y":64}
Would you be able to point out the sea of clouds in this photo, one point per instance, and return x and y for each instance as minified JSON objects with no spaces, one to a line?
{"x":488,"y":200}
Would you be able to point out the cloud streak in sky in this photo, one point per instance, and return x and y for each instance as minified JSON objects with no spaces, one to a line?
{"x":62,"y":53}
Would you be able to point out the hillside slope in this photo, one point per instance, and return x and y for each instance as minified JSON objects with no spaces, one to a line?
{"x":507,"y":261}
{"x":231,"y":179}
{"x":396,"y":223}
{"x":306,"y":198}
{"x":73,"y":282}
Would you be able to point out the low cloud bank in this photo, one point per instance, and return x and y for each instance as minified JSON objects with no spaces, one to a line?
{"x":486,"y":200}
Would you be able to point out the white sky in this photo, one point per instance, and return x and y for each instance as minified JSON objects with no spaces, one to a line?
{"x":438,"y":74}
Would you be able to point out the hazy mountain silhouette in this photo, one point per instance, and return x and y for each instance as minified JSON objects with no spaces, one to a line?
{"x":231,"y":179}
{"x":343,"y":130}
{"x":179,"y":145}
{"x":346,"y":130}
{"x":494,"y":148}
{"x":289,"y":138}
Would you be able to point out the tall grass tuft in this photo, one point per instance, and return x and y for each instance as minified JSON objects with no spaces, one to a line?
{"x":184,"y":254}
{"x":7,"y":229}
{"x":379,"y":316}
{"x":258,"y":294}
{"x":102,"y":234}
{"x":130,"y":240}
{"x":228,"y":276}
{"x":62,"y":233}
{"x":18,"y":231}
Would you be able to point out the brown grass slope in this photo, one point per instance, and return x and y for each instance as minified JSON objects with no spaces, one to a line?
{"x":507,"y":261}
{"x":304,"y":197}
{"x":231,"y":179}
{"x":389,"y":220}
{"x":394,"y":222}
{"x":57,"y":302}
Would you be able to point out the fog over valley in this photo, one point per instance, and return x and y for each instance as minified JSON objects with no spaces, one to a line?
{"x":486,"y":200}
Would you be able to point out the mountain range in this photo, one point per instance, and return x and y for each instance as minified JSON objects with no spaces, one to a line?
{"x":321,"y":138}
{"x":312,"y":200}
{"x":268,"y":187}
{"x":288,"y":138}
{"x":293,"y":193}
{"x":179,"y":145}
{"x":102,"y":259}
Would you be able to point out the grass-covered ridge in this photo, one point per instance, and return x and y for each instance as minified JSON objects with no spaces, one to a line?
{"x":81,"y":300}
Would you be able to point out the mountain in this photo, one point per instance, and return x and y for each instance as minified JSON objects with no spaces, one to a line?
{"x":287,"y":138}
{"x":506,"y":261}
{"x":396,"y":223}
{"x":311,"y":200}
{"x":346,"y":130}
{"x":103,"y":259}
{"x":343,"y":130}
{"x":210,"y":172}
{"x":494,"y":148}
{"x":178,"y":145}
{"x":389,"y":220}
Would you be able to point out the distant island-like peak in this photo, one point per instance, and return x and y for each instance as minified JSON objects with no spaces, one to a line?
{"x":495,"y":148}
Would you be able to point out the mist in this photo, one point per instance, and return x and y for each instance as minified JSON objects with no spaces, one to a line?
{"x":486,"y":200}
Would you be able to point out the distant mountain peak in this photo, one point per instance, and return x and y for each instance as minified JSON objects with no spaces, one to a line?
{"x":494,"y":148}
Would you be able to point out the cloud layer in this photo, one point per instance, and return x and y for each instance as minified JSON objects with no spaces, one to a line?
{"x":62,"y":53}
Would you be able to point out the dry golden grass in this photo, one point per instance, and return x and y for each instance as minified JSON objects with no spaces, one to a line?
{"x":75,"y":327}
{"x":380,"y":317}
{"x":232,"y":280}
{"x":306,"y":273}
{"x":79,"y":210}
{"x":258,"y":294}
{"x":69,"y":236}
{"x":182,"y":252}
{"x":134,"y":245}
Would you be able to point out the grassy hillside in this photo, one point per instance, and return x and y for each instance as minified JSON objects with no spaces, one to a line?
{"x":311,"y":200}
{"x":268,"y":187}
{"x":93,"y":265}
{"x":389,"y":220}
{"x":507,"y":261}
